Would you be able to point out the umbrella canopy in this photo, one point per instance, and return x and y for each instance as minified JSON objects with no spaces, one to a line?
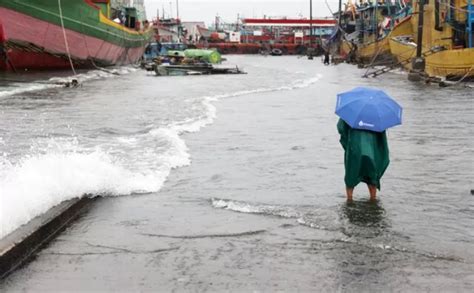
{"x":369,"y":109}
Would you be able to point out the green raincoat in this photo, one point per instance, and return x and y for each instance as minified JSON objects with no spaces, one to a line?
{"x":366,"y":155}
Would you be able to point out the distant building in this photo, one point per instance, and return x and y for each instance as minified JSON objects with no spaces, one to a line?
{"x":320,"y":26}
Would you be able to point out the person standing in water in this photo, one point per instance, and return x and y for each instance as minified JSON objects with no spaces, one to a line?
{"x":326,"y":57}
{"x":366,"y":157}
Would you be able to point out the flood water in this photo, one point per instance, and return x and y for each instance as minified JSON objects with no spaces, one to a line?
{"x":235,"y":182}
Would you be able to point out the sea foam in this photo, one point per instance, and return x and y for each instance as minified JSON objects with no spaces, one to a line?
{"x":58,"y":82}
{"x":64,"y":170}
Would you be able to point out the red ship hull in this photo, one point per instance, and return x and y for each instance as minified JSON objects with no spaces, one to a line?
{"x":28,"y":43}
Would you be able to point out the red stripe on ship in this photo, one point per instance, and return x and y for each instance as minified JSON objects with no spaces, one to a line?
{"x":288,"y":21}
{"x":24,"y":29}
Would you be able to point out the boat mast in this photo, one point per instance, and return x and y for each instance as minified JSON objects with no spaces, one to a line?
{"x":310,"y":49}
{"x":180,"y":29}
{"x":340,"y":14}
{"x":376,"y":20}
{"x":177,"y":9}
{"x":419,"y":41}
{"x":338,"y":30}
{"x":310,"y":21}
{"x":470,"y":23}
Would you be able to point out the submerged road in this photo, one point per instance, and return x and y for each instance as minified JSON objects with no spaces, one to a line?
{"x":261,"y":207}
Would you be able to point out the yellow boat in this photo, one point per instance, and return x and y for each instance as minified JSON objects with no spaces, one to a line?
{"x":366,"y":52}
{"x":371,"y":24}
{"x":446,"y":45}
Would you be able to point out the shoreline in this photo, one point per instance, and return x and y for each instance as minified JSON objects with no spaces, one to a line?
{"x":19,"y":246}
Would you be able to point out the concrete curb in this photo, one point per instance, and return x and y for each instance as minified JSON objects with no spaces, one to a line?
{"x":17,"y":247}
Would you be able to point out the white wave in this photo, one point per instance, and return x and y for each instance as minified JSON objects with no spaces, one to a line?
{"x":309,"y":216}
{"x":57,"y":82}
{"x":23,"y":88}
{"x":194,"y":125}
{"x":61,"y":171}
{"x":40,"y":182}
{"x":310,"y":223}
{"x":243,"y":207}
{"x":236,"y":206}
{"x":297,"y":84}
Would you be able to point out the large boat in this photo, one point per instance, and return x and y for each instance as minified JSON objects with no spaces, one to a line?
{"x":53,"y":34}
{"x":447,"y":39}
{"x":367,"y":28}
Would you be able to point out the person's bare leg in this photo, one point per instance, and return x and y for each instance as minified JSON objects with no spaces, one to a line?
{"x":349,"y":192}
{"x":372,"y":192}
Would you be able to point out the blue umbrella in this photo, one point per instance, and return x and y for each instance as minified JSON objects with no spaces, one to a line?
{"x":368,"y":108}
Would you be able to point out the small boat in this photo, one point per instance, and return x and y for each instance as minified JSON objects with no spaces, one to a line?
{"x":194,"y":69}
{"x":447,"y":40}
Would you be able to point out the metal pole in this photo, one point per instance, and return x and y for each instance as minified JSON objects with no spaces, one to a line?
{"x":470,"y":20}
{"x":418,"y":63}
{"x":171,"y":10}
{"x":310,"y":49}
{"x":340,"y":12}
{"x":310,"y":21}
{"x":376,"y":24}
{"x":419,"y":42}
{"x":178,"y":21}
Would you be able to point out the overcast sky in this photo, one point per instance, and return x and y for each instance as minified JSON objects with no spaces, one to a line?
{"x":206,"y":10}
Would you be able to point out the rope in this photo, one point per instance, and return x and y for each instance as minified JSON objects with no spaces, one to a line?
{"x":453,"y":7}
{"x":373,"y":60}
{"x":65,"y":37}
{"x":445,"y":84}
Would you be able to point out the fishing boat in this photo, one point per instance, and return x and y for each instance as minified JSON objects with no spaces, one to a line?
{"x":189,"y":62}
{"x":367,"y":28}
{"x":445,"y":45}
{"x":194,"y":69}
{"x":38,"y":35}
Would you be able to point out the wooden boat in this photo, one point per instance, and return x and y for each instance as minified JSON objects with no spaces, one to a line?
{"x":367,"y":31}
{"x":194,"y":69}
{"x":447,"y":39}
{"x":366,"y":52}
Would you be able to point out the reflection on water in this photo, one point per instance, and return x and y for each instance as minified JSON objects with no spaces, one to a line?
{"x":364,"y":218}
{"x":364,"y":213}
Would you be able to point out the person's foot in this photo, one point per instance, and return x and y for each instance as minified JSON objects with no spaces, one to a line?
{"x":349,"y":192}
{"x":372,"y":192}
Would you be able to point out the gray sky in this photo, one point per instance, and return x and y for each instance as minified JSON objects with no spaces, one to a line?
{"x":206,"y":10}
